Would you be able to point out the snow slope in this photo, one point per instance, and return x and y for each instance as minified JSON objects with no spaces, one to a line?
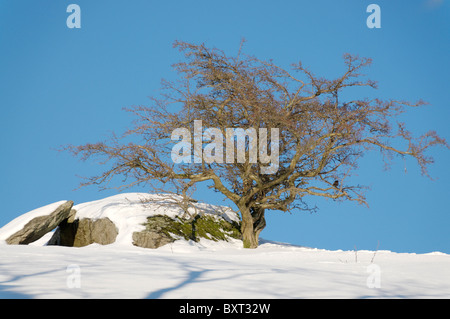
{"x":211,"y":269}
{"x":218,"y":270}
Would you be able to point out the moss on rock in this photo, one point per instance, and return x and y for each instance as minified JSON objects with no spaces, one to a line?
{"x":204,"y":226}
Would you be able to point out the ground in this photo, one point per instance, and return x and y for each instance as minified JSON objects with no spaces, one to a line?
{"x":208,"y":269}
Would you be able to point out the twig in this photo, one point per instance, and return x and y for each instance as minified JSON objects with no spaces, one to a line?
{"x":374,"y":254}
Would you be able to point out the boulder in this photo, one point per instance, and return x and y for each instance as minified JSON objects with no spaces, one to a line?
{"x":83,"y":232}
{"x":39,"y":226}
{"x":100,"y":231}
{"x":151,"y":239}
{"x":161,"y":230}
{"x":156,"y":234}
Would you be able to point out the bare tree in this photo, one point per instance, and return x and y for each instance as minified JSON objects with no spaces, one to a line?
{"x":321,"y":135}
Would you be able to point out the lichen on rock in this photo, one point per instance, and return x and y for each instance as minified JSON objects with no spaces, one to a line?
{"x":162,"y":229}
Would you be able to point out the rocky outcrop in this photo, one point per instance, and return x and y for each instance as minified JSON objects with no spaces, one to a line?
{"x":39,"y":226}
{"x":156,"y":233}
{"x":161,"y":230}
{"x":89,"y":223}
{"x":83,"y":232}
{"x":146,"y":239}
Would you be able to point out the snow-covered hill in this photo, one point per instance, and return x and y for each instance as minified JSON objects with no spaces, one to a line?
{"x":128,"y":212}
{"x":208,"y":269}
{"x":218,"y":270}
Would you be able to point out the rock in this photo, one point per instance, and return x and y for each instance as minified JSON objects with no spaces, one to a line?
{"x":147,"y":239}
{"x":161,"y":230}
{"x":39,"y":226}
{"x":156,"y":233}
{"x":101,"y":231}
{"x":64,"y":235}
{"x":80,"y":233}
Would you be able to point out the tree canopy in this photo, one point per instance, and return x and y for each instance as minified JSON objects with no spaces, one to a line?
{"x":263,"y":136}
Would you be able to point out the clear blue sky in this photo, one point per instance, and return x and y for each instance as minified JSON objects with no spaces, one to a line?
{"x":68,"y":86}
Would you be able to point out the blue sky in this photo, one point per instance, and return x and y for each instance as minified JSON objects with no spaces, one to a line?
{"x":68,"y":86}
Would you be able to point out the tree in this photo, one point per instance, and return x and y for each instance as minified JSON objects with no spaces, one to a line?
{"x":317,"y":136}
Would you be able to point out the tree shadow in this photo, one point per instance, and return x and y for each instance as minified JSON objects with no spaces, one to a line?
{"x":196,"y":275}
{"x":5,"y":288}
{"x":5,"y":293}
{"x":192,"y":277}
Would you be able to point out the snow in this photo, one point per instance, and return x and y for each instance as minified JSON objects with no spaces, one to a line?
{"x":208,"y":269}
{"x":218,"y":270}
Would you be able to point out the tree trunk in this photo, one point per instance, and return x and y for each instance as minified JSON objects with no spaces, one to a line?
{"x":253,"y":223}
